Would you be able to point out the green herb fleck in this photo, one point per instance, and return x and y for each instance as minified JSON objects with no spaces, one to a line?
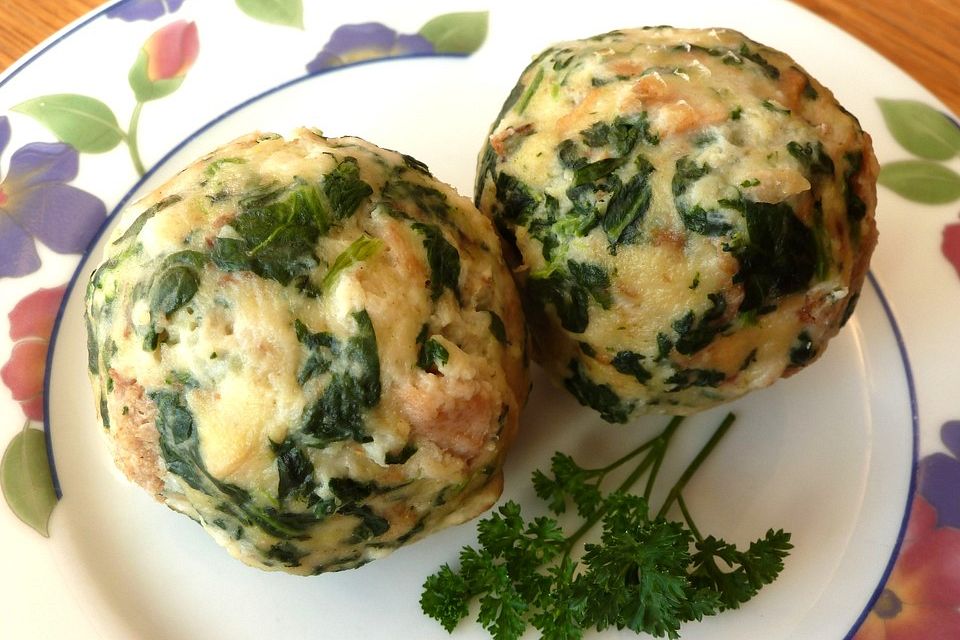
{"x":137,"y":225}
{"x":530,"y":90}
{"x":359,"y":250}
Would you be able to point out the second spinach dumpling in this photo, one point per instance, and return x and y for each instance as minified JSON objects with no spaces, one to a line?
{"x":692,"y":215}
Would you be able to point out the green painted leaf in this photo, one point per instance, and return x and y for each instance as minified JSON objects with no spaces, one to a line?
{"x":85,"y":123}
{"x":287,"y":13}
{"x":144,"y":88}
{"x":921,"y":129}
{"x":26,"y":481}
{"x":921,"y":181}
{"x":462,"y":32}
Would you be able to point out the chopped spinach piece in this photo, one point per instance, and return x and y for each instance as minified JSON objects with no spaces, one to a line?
{"x":593,"y":171}
{"x":349,"y":490}
{"x":779,"y":256}
{"x":431,"y":354}
{"x":428,"y":199}
{"x":695,"y":217}
{"x":359,"y":250}
{"x":443,"y":258}
{"x":770,"y":105}
{"x":629,"y":205}
{"x":294,"y":470}
{"x":771,"y":71}
{"x":179,"y":442}
{"x":593,"y":279}
{"x":622,"y":135}
{"x":485,"y":168}
{"x":353,"y":386}
{"x":93,"y":347}
{"x":514,"y":197}
{"x":664,"y":346}
{"x":137,"y":225}
{"x":569,"y":154}
{"x":371,"y":525}
{"x":174,"y":288}
{"x":803,"y":351}
{"x":286,"y":553}
{"x":686,"y":378}
{"x":497,"y":328}
{"x":600,"y":397}
{"x":416,"y":165}
{"x":631,"y":364}
{"x":750,"y":359}
{"x":344,"y":189}
{"x":323,"y":347}
{"x":569,"y":300}
{"x":530,"y":90}
{"x":856,"y":207}
{"x":570,"y":291}
{"x":401,"y":456}
{"x":812,"y":156}
{"x":336,"y":415}
{"x":104,"y":412}
{"x":736,"y":113}
{"x":277,"y":232}
{"x":822,"y":238}
{"x":693,"y":334}
{"x":851,"y":306}
{"x":809,"y":92}
{"x":217,"y":164}
{"x":175,"y":283}
{"x":179,"y":446}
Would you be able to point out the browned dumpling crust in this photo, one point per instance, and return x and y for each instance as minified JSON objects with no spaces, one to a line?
{"x":312,"y":347}
{"x":691,"y":215}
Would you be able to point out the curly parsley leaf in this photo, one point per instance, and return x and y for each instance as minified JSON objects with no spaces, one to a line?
{"x":647,"y":574}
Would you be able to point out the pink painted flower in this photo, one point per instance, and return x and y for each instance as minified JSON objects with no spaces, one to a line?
{"x":950,"y":246}
{"x":172,"y":50}
{"x":31,"y":323}
{"x":921,"y":600}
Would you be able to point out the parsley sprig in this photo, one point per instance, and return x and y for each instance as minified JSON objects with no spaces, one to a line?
{"x":647,"y":573}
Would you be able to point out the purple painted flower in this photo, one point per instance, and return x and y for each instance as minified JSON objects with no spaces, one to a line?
{"x":352,"y":43}
{"x":36,"y":202}
{"x":939,"y":477}
{"x":143,"y":9}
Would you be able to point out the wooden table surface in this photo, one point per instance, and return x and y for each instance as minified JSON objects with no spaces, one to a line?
{"x":921,"y":36}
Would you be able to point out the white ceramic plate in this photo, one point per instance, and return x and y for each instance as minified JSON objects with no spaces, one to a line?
{"x":833,"y":455}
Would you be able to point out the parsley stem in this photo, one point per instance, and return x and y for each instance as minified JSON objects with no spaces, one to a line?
{"x":659,"y":453}
{"x":131,"y":137}
{"x":661,"y":441}
{"x":693,"y":466}
{"x":686,"y":516}
{"x":616,"y":463}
